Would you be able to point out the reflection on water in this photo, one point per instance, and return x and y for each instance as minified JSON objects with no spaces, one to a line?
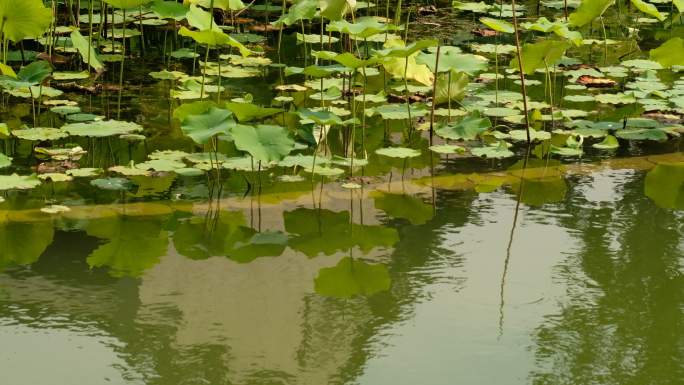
{"x":391,"y":284}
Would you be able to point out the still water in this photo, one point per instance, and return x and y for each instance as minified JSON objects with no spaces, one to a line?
{"x":570,"y":277}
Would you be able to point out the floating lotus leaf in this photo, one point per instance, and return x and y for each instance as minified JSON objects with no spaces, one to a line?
{"x":215,"y":38}
{"x":84,"y":172}
{"x":642,"y":65}
{"x":398,"y":111}
{"x":496,"y":151}
{"x":364,"y":27}
{"x":619,"y":98}
{"x":480,"y":7}
{"x":350,"y":278}
{"x":130,"y":170}
{"x":521,"y":135}
{"x":306,"y":161}
{"x":266,"y":143}
{"x":207,"y":125}
{"x":467,"y":128}
{"x":17,"y":182}
{"x":654,"y":134}
{"x":101,"y":129}
{"x":398,"y":152}
{"x":40,"y":133}
{"x":161,"y":165}
{"x":189,"y":171}
{"x":25,"y":18}
{"x":55,"y":177}
{"x":447,"y":149}
{"x":115,"y":184}
{"x":55,"y":209}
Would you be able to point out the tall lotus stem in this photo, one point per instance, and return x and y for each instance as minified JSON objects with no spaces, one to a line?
{"x":123,"y":60}
{"x":434,"y":94}
{"x":522,"y":71}
{"x":206,"y":56}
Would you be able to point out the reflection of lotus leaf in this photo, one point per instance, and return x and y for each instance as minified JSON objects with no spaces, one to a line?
{"x":228,"y":235}
{"x":665,"y":185}
{"x":350,"y":278}
{"x":325,"y":231}
{"x":403,"y":206}
{"x":134,"y":245}
{"x":23,"y":243}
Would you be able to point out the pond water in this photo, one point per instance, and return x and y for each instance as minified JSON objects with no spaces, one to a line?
{"x":575,"y":278}
{"x":559,"y":263}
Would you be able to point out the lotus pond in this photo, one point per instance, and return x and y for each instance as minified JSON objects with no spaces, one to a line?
{"x":341,"y":192}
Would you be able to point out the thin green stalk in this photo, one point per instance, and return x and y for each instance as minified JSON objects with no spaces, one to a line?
{"x":522,"y":71}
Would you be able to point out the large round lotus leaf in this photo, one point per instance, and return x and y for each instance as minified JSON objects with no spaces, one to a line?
{"x":169,"y":10}
{"x":24,"y":18}
{"x":352,"y":277}
{"x":364,"y":27}
{"x":264,"y":143}
{"x":654,"y":134}
{"x":17,"y":182}
{"x":40,"y":133}
{"x":588,"y":11}
{"x":497,"y":151}
{"x":101,"y":129}
{"x":162,"y":165}
{"x":5,"y":161}
{"x":467,"y":128}
{"x":398,"y":152}
{"x":671,"y":53}
{"x":665,"y":185}
{"x":116,"y":184}
{"x":208,"y":124}
{"x":84,"y":172}
{"x":447,"y":149}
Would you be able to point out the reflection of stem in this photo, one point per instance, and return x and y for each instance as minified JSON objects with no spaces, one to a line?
{"x":510,"y":243}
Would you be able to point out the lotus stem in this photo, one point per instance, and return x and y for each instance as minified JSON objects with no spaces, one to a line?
{"x":434,"y":94}
{"x":522,"y":71}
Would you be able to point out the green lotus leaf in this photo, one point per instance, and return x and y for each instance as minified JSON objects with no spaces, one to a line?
{"x":245,"y":112}
{"x":226,"y":5}
{"x":608,"y":143}
{"x":588,"y":11}
{"x":17,"y":182}
{"x":55,"y":177}
{"x":40,"y":133}
{"x":521,"y":135}
{"x":642,"y":65}
{"x":300,"y":10}
{"x":114,"y":184}
{"x":364,"y":27}
{"x":25,"y":18}
{"x":264,"y":143}
{"x":447,"y":149}
{"x":87,"y":52}
{"x":162,"y":165}
{"x":306,"y":161}
{"x":101,"y":129}
{"x":398,"y":111}
{"x":129,"y":170}
{"x":335,"y":9}
{"x":28,"y":76}
{"x":202,"y":127}
{"x":126,"y":4}
{"x":70,"y":75}
{"x":350,"y":278}
{"x":84,"y":172}
{"x":498,"y":25}
{"x":664,"y":184}
{"x":654,"y":134}
{"x":5,"y":161}
{"x":467,"y":128}
{"x":541,"y":54}
{"x":496,"y":151}
{"x":215,"y":38}
{"x":648,"y":9}
{"x":325,"y":171}
{"x":480,"y":7}
{"x":398,"y":152}
{"x":671,"y":53}
{"x":326,"y":118}
{"x":619,"y":98}
{"x":169,"y":10}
